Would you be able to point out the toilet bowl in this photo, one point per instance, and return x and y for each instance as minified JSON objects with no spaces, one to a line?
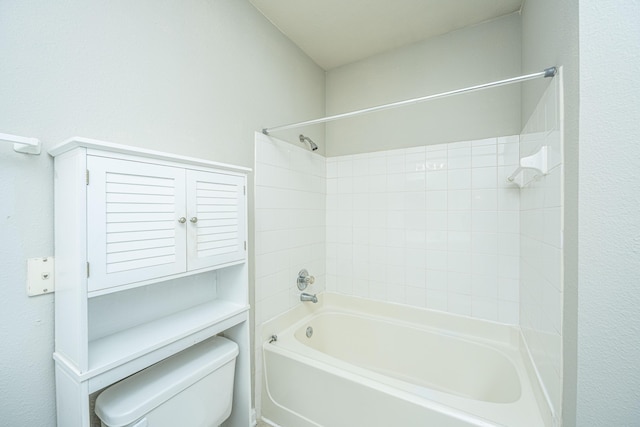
{"x":193,"y":388}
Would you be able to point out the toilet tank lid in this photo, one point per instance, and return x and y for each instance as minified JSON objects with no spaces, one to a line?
{"x":133,"y":397}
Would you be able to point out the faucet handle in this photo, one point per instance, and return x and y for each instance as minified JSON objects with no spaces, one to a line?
{"x":304,"y":279}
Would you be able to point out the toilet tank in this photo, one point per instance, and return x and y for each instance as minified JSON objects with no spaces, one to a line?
{"x":193,"y":388}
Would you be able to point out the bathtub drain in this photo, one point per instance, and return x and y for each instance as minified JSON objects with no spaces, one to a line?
{"x":309,"y":332}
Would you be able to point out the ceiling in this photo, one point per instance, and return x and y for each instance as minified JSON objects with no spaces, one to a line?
{"x":337,"y":32}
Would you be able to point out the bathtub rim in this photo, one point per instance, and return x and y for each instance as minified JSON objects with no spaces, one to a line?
{"x":450,"y":324}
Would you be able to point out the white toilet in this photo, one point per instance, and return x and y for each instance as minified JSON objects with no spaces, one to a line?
{"x":193,"y":388}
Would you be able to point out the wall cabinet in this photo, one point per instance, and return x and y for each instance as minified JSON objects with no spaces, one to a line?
{"x":149,"y":221}
{"x":150,"y":260}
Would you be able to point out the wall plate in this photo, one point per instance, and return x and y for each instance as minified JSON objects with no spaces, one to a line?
{"x":40,"y":278}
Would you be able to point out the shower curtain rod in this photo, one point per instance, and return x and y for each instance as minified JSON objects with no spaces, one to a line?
{"x":548,"y":72}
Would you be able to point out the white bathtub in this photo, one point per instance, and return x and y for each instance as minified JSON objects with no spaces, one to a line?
{"x":375,"y":364}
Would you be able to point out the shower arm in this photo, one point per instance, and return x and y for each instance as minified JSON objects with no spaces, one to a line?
{"x":548,"y":72}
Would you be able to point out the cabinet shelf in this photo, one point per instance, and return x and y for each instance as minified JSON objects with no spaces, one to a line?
{"x":118,"y":355}
{"x":123,"y":346}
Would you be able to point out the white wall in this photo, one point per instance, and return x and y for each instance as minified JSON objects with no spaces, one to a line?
{"x":470,"y":56}
{"x":191,"y":77}
{"x":434,"y":226}
{"x":609,"y":224}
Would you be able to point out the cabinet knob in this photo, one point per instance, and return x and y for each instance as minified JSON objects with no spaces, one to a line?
{"x":194,"y":220}
{"x":182,"y":220}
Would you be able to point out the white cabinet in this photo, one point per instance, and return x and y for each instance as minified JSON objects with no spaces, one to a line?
{"x":150,"y":259}
{"x":151,"y":221}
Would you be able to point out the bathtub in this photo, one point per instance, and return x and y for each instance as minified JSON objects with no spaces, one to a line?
{"x":353,"y":362}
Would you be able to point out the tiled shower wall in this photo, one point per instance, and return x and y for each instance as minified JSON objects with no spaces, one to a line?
{"x":434,"y":226}
{"x":289,"y":224}
{"x":541,"y":228}
{"x":290,"y":187}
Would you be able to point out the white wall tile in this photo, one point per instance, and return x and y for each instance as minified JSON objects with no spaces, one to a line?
{"x":485,"y":265}
{"x":416,"y":277}
{"x":484,"y":200}
{"x":436,"y":240}
{"x":378,"y":290}
{"x":484,"y":221}
{"x":395,"y":163}
{"x":377,"y":165}
{"x":416,"y":296}
{"x":345,"y":166}
{"x":415,"y":181}
{"x":485,"y":286}
{"x":345,"y":185}
{"x":509,"y":199}
{"x":485,"y":243}
{"x":484,"y":155}
{"x":436,"y":180}
{"x":459,"y":303}
{"x":436,"y":160}
{"x":459,"y":220}
{"x":436,"y":220}
{"x":459,"y":282}
{"x":459,"y":241}
{"x":459,"y":200}
{"x":396,"y":182}
{"x":459,"y":158}
{"x":273,"y":153}
{"x":395,"y":201}
{"x":459,"y":262}
{"x":436,"y":260}
{"x":508,"y":312}
{"x":436,"y":200}
{"x":484,"y":178}
{"x":415,"y":161}
{"x":508,"y":244}
{"x":360,"y":166}
{"x":484,"y":308}
{"x":436,"y":280}
{"x":331,"y":168}
{"x":426,"y":224}
{"x":436,"y":300}
{"x":415,"y":200}
{"x":291,"y":223}
{"x":508,"y":153}
{"x":540,"y":290}
{"x":459,"y":179}
{"x":509,"y":221}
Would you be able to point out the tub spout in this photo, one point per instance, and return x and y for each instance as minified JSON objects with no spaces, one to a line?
{"x":308,"y":297}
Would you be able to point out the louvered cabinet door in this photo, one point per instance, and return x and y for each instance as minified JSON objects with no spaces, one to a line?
{"x":216,"y":208}
{"x":134,"y":227}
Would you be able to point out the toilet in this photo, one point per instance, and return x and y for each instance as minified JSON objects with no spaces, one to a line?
{"x":193,"y":388}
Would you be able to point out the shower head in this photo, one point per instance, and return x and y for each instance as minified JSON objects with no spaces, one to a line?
{"x":312,"y":144}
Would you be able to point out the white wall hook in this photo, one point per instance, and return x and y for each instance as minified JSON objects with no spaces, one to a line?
{"x":537,"y":162}
{"x":22,"y":144}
